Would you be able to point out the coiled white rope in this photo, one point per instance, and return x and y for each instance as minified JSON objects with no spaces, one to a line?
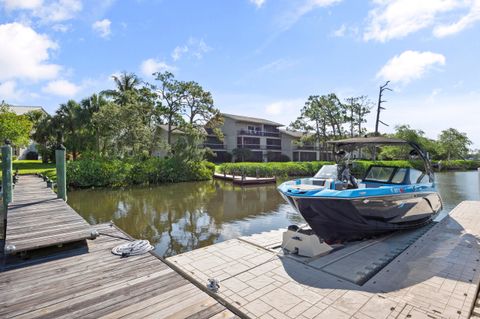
{"x":136,"y":247}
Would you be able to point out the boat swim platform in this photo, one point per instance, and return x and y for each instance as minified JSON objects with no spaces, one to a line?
{"x":432,"y":272}
{"x":245,"y":180}
{"x":37,"y":218}
{"x":86,"y":280}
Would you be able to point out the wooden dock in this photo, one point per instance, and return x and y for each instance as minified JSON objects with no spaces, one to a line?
{"x":82,"y":278}
{"x":245,"y":180}
{"x":37,"y":218}
{"x":437,"y":275}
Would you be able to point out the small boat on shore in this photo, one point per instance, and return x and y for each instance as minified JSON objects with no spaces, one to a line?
{"x":340,"y":208}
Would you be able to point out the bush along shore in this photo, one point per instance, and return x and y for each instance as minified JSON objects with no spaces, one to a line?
{"x":284,"y":169}
{"x":112,"y":173}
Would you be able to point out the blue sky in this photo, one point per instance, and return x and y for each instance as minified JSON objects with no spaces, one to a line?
{"x":258,"y":57}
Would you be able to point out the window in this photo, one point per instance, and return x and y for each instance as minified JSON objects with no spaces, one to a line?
{"x":379,"y":174}
{"x":399,"y":176}
{"x":415,"y":175}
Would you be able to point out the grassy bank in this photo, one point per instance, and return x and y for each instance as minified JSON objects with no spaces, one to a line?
{"x":33,"y":167}
{"x":283,"y":169}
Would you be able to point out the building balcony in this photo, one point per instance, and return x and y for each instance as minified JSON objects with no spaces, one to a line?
{"x":274,"y":147}
{"x":260,"y":147}
{"x":258,"y":133}
{"x":305,"y":148}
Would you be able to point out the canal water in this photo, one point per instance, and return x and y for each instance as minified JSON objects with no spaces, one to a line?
{"x":181,"y":217}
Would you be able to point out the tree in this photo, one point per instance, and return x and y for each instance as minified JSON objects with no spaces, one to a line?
{"x":454,"y":144}
{"x":357,"y":108}
{"x":13,"y":127}
{"x":170,"y":96}
{"x":319,"y":114}
{"x":242,"y":154}
{"x":405,"y":132}
{"x":70,"y":119}
{"x":125,"y":82}
{"x":44,"y":134}
{"x":91,"y":106}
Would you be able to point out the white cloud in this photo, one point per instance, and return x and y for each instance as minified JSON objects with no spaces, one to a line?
{"x":289,"y":107}
{"x":195,"y":48}
{"x":391,"y":19}
{"x":22,"y":4}
{"x":59,"y":27}
{"x":463,"y":23}
{"x":26,"y":55}
{"x":62,"y":88}
{"x":48,"y":11}
{"x":150,"y":66}
{"x":8,"y":91}
{"x":304,"y":7}
{"x":409,"y":65}
{"x":258,"y":3}
{"x":102,"y":27}
{"x":340,"y":32}
{"x":178,"y":52}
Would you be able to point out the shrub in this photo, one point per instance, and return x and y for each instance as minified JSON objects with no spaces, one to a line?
{"x":280,"y":169}
{"x":152,"y":170}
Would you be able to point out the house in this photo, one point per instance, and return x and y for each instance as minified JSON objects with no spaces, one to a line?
{"x":21,"y":152}
{"x":265,"y":139}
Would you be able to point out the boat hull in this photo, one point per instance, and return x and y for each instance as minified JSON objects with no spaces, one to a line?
{"x":338,"y":220}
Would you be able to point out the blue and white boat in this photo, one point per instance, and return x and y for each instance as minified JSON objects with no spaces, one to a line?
{"x":340,"y":208}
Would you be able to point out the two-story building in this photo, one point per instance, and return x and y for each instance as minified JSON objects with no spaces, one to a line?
{"x":266,"y":141}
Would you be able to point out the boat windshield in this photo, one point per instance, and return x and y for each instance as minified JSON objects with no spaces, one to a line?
{"x":327,"y":172}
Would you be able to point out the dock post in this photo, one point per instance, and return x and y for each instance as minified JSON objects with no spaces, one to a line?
{"x":7,"y":181}
{"x":7,"y":184}
{"x":60,"y":160}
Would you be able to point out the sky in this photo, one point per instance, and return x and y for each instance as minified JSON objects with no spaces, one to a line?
{"x":260,"y":58}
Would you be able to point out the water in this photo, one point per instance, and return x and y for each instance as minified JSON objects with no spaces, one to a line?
{"x":184,"y":216}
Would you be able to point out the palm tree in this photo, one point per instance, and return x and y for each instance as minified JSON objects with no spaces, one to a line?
{"x":125,"y":82}
{"x":70,"y":117}
{"x":92,"y":105}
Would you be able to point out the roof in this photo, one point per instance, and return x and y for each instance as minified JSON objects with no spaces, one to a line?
{"x":369,"y":141}
{"x":175,"y":129}
{"x":20,"y":109}
{"x":242,"y":118}
{"x":296,"y":134}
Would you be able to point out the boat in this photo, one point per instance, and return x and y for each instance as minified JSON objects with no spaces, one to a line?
{"x":340,"y":208}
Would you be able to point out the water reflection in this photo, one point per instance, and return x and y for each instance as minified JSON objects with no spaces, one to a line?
{"x":181,"y":217}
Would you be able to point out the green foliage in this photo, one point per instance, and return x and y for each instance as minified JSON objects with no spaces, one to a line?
{"x":14,"y":127}
{"x":151,"y":170}
{"x":453,"y":144}
{"x":279,"y":169}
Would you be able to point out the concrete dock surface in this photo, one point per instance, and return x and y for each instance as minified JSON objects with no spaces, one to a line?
{"x":433,"y":275}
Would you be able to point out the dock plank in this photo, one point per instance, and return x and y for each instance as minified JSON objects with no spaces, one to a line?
{"x":99,"y":284}
{"x":32,"y":214}
{"x":437,"y":276}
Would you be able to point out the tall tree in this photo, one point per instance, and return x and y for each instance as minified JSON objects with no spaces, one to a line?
{"x":125,"y":82}
{"x":14,"y":127}
{"x":170,"y":98}
{"x":454,"y":144}
{"x":70,"y":118}
{"x":357,"y":108}
{"x":92,"y":105}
